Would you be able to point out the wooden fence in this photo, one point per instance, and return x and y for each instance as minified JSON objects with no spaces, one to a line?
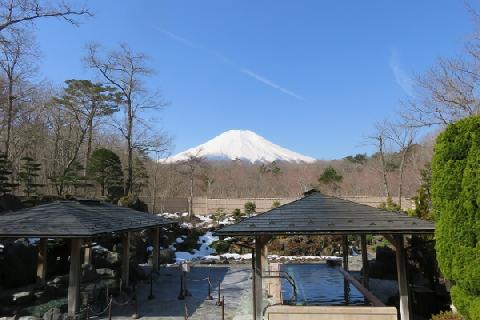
{"x":206,"y":206}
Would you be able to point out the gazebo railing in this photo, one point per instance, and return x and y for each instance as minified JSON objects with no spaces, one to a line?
{"x":278,"y":274}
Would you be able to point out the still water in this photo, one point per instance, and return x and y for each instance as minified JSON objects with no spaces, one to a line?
{"x":318,"y":284}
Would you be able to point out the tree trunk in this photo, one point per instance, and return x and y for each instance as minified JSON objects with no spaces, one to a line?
{"x":89,"y":145}
{"x":154,"y":187}
{"x":191,"y":197}
{"x":384,"y":169}
{"x":400,"y":182}
{"x":402,"y":169}
{"x":128,"y":186}
{"x":9,"y":116}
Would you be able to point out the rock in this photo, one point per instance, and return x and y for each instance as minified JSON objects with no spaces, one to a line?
{"x":142,"y":272}
{"x":58,"y":281}
{"x":29,"y":318}
{"x":89,"y":274}
{"x":24,"y":297}
{"x":106,"y":272}
{"x":106,"y":259}
{"x":53,"y":314}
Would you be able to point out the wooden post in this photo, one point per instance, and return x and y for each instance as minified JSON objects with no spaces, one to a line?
{"x":125,"y":259}
{"x":363,"y":244}
{"x":254,"y":285}
{"x":42,"y":262}
{"x":156,"y":249}
{"x":346,"y":285}
{"x":87,"y":254}
{"x":345,"y":252}
{"x":260,"y":264}
{"x":74,"y":277}
{"x":402,"y":277}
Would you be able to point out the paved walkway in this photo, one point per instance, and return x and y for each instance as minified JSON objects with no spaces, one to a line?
{"x":235,"y":287}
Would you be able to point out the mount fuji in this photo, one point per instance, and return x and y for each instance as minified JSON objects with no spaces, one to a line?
{"x":243,"y":145}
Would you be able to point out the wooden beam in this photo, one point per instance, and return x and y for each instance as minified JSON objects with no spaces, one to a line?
{"x":125,"y":258}
{"x":74,"y":277}
{"x":42,"y":262}
{"x":369,"y":295}
{"x":156,"y":249}
{"x":402,"y":278}
{"x":363,"y":245}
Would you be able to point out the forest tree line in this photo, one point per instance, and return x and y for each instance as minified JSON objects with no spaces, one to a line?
{"x":92,"y":137}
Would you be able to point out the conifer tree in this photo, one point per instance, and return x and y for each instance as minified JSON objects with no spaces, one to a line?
{"x":456,"y":204}
{"x":140,"y":176}
{"x":28,"y":174}
{"x":5,"y":175}
{"x":105,"y":167}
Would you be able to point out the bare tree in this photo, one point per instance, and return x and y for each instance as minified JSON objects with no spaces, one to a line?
{"x":403,"y":137}
{"x":125,"y":70}
{"x":378,"y":138}
{"x":190,"y":167}
{"x":449,"y":90}
{"x":16,"y":62}
{"x":17,"y":12}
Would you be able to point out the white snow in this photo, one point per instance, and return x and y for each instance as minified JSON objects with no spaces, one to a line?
{"x":179,"y":240}
{"x":241,"y":144}
{"x":205,"y":250}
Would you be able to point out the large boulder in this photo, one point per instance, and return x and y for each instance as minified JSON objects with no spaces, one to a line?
{"x":23,"y":297}
{"x":89,"y":274}
{"x":58,"y":281}
{"x":384,"y":266}
{"x":106,"y":259}
{"x":106,"y":272}
{"x":18,"y":265}
{"x":53,"y":314}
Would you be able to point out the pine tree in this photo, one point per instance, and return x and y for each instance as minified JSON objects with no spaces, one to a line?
{"x":105,"y":167}
{"x":28,"y":174}
{"x":5,"y":175}
{"x":140,"y":176}
{"x":330,"y":178}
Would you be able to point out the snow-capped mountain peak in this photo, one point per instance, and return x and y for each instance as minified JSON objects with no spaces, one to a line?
{"x":241,"y":144}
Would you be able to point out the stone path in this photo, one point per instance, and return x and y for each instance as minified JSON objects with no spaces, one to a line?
{"x":235,"y":287}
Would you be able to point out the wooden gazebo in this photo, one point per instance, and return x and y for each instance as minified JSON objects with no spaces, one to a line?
{"x":80,"y":221}
{"x":319,"y":214}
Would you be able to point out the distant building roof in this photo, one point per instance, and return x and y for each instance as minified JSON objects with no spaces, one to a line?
{"x":317,"y":213}
{"x":75,"y":219}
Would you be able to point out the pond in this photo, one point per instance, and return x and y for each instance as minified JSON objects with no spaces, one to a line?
{"x":318,"y":285}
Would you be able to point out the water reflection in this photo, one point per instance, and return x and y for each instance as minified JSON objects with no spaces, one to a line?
{"x":319,"y":284}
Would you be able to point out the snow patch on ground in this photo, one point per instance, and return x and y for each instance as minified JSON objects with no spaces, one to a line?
{"x":205,"y":250}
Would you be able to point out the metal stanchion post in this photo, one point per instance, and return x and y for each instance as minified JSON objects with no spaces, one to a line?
{"x":219,"y":302}
{"x":181,"y":295}
{"x":110,"y":308}
{"x":151,"y":296}
{"x":223,"y":308}
{"x":135,"y":301}
{"x":87,"y":312}
{"x":209,"y":296}
{"x":186,"y":312}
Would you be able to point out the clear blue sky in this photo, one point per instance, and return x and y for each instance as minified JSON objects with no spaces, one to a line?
{"x":312,"y":76}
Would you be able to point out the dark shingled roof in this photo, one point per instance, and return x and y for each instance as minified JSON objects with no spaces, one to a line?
{"x":75,"y":219}
{"x":320,"y":214}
